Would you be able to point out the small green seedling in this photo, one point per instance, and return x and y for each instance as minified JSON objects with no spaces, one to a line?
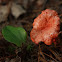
{"x":29,"y":47}
{"x":16,"y":35}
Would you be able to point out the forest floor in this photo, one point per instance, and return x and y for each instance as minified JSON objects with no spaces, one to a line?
{"x":51,"y":53}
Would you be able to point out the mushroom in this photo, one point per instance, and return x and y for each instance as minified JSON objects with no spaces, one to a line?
{"x":46,"y":27}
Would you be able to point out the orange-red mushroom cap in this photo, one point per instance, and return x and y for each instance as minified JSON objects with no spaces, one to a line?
{"x":46,"y":27}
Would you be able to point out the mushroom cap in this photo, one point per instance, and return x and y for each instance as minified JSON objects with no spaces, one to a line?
{"x":46,"y":27}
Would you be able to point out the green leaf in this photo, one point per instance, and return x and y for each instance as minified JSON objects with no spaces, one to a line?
{"x":16,"y":35}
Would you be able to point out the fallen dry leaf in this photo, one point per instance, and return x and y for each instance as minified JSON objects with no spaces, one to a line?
{"x":4,"y":12}
{"x":17,"y":10}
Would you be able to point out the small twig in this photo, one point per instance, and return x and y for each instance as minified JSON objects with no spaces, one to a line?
{"x":57,"y":57}
{"x":43,"y":60}
{"x":60,"y":32}
{"x":40,"y":53}
{"x":36,"y":10}
{"x":60,"y":15}
{"x":7,"y":57}
{"x":51,"y":57}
